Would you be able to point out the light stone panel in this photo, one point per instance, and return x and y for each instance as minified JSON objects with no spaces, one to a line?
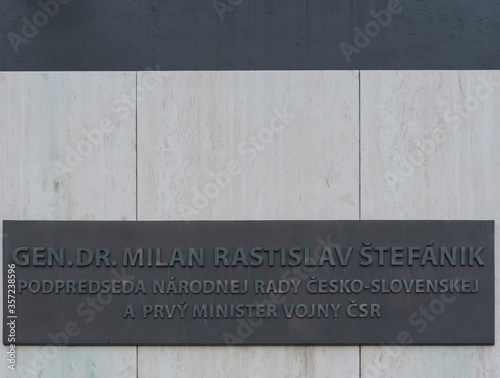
{"x":207,"y":149}
{"x":248,"y":362}
{"x":68,"y":153}
{"x":248,"y":145}
{"x":430,"y":150}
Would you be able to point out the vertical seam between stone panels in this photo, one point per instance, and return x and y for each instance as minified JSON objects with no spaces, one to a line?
{"x":136,"y":155}
{"x":359,"y":177}
{"x":136,"y":197}
{"x":359,"y":144}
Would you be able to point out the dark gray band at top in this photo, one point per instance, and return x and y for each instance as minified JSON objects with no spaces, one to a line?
{"x":130,"y":35}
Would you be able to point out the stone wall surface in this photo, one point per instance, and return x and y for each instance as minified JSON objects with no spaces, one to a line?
{"x":294,"y":144}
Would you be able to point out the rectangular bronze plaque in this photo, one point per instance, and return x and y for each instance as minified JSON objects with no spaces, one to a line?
{"x":248,"y":282}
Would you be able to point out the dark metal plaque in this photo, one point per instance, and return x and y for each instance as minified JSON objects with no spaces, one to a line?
{"x":248,"y":282}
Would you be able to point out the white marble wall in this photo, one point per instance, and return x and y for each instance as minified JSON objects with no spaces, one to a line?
{"x":287,"y":141}
{"x":43,"y":116}
{"x":430,"y":145}
{"x":251,"y":145}
{"x":192,"y":127}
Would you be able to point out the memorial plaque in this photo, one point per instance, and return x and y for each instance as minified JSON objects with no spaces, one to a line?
{"x":248,"y":282}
